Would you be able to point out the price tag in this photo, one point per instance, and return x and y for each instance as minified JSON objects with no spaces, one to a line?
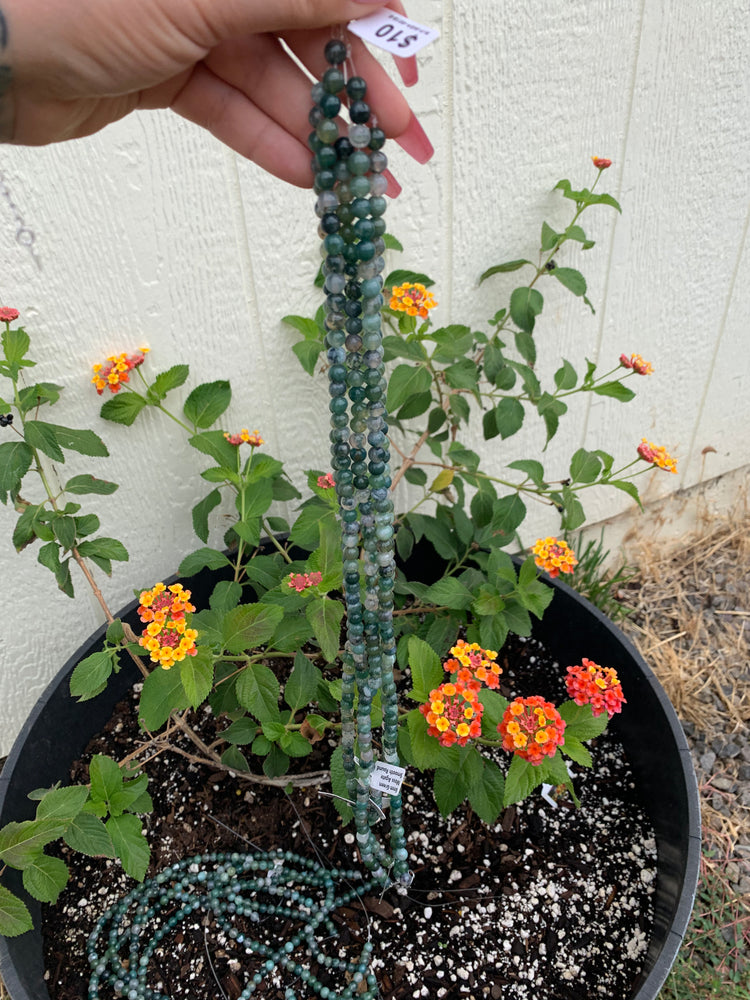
{"x":387,"y":778}
{"x":393,"y":32}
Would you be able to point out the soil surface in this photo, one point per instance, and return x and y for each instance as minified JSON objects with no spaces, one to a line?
{"x":550,"y":902}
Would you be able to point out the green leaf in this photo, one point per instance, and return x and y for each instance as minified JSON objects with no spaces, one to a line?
{"x":521,"y":780}
{"x":15,"y":918}
{"x":532,"y":469}
{"x":511,"y":265}
{"x":415,"y":406}
{"x":20,"y":842}
{"x":449,"y":790}
{"x":338,"y":787}
{"x":104,"y":548}
{"x":16,"y":344}
{"x":90,"y":484}
{"x":488,"y":602}
{"x":225,"y":596}
{"x":577,"y":752}
{"x":580,"y":722}
{"x":242,"y":731}
{"x":216,"y":446}
{"x":573,"y":513}
{"x":615,"y":390}
{"x":168,"y":380}
{"x":201,"y":511}
{"x":426,"y":669}
{"x":308,"y":352}
{"x":62,"y":803}
{"x":123,"y":408}
{"x":507,"y":418}
{"x":85,"y":442}
{"x":565,"y":377}
{"x":36,"y":395}
{"x":627,"y":487}
{"x":425,"y":749}
{"x":131,"y":847}
{"x":89,"y":835}
{"x":197,"y":675}
{"x":486,"y":796}
{"x":400,"y":276}
{"x":302,"y":686}
{"x":25,"y":529}
{"x":42,"y":436}
{"x":86,"y":524}
{"x":45,"y":878}
{"x":258,"y":692}
{"x":573,"y":280}
{"x":550,"y":410}
{"x":250,"y":625}
{"x":415,"y":476}
{"x":549,"y":237}
{"x":276,"y":763}
{"x":494,"y":709}
{"x":451,"y":592}
{"x":234,"y":758}
{"x":584,"y":466}
{"x":525,"y":306}
{"x":406,"y":381}
{"x":304,"y":325}
{"x":207,"y":402}
{"x":507,"y":514}
{"x":162,"y":693}
{"x":325,"y":617}
{"x":64,"y":529}
{"x":90,"y":676}
{"x":204,"y":558}
{"x":526,"y":346}
{"x":106,"y":781}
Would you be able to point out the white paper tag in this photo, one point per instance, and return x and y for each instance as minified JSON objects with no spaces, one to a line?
{"x":393,"y":32}
{"x":387,"y":778}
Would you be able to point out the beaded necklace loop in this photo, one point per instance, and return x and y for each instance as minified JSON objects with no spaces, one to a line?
{"x":349,"y":182}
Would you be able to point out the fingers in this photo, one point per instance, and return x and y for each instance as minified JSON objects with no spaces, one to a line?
{"x":228,"y":18}
{"x":235,"y":120}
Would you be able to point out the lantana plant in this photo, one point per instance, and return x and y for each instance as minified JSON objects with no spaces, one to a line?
{"x":265,"y":653}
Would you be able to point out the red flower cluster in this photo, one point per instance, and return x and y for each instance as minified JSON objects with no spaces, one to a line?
{"x":656,"y":454}
{"x":301,"y":581}
{"x":326,"y":482}
{"x":454,"y":714}
{"x":245,"y":437}
{"x":116,"y":371}
{"x":532,"y":728}
{"x":590,"y":684}
{"x":8,"y":314}
{"x":601,"y":162}
{"x":636,"y":362}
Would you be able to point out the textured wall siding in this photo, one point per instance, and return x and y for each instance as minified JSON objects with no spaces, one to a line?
{"x":153,"y":233}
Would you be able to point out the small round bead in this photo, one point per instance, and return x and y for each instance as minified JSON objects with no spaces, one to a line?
{"x":335,"y":52}
{"x":333,"y":80}
{"x":359,"y":112}
{"x":356,"y":88}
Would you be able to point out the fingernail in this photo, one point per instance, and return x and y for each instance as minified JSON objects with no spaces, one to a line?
{"x":394,"y":189}
{"x":413,"y":140}
{"x":408,"y":70}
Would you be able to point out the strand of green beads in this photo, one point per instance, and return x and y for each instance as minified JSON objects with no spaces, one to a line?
{"x":348,"y":179}
{"x":126,"y":939}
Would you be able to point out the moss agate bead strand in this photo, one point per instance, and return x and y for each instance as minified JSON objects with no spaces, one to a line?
{"x":348,"y":180}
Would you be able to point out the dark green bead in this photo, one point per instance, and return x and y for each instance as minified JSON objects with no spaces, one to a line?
{"x":359,"y":112}
{"x":330,"y":105}
{"x":356,"y":88}
{"x":377,"y":138}
{"x":364,"y":229}
{"x":335,"y":52}
{"x":365,"y":250}
{"x":333,"y":81}
{"x":378,"y":206}
{"x":330,"y":223}
{"x":358,"y":163}
{"x":334,"y":244}
{"x":314,"y":142}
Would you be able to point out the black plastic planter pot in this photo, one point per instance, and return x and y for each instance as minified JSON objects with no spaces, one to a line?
{"x":58,"y":730}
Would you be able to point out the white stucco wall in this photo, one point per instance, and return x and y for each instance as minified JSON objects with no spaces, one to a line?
{"x":152,"y":232}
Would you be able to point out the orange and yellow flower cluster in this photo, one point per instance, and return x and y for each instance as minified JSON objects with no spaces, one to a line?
{"x":636,"y":362}
{"x":590,"y":684}
{"x":532,"y":728}
{"x":554,"y":556}
{"x":657,"y":455}
{"x":301,"y":581}
{"x":116,"y":371}
{"x":412,"y":298}
{"x":245,"y":437}
{"x":166,"y":636}
{"x":473,"y":665}
{"x":453,"y":713}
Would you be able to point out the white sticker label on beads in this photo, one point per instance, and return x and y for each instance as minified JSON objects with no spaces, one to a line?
{"x":387,"y":778}
{"x":393,"y":32}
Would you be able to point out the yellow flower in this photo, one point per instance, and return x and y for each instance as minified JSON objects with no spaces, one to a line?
{"x":412,"y":299}
{"x":555,"y":556}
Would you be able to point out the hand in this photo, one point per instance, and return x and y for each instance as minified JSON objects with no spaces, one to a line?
{"x":73,"y":66}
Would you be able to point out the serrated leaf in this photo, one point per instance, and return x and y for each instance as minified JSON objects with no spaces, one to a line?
{"x":525,"y":306}
{"x":486,"y":796}
{"x":172,"y":378}
{"x":406,"y":381}
{"x":577,"y":752}
{"x":234,"y":758}
{"x":89,"y":835}
{"x":415,"y":476}
{"x":304,"y":325}
{"x":250,"y":625}
{"x":580,"y":721}
{"x":204,"y":558}
{"x":449,"y":790}
{"x":532,"y":469}
{"x":258,"y":692}
{"x":201,"y":511}
{"x":131,"y":847}
{"x":45,"y":878}
{"x":426,"y":751}
{"x":225,"y":595}
{"x":42,"y":437}
{"x":123,"y":408}
{"x":549,"y":238}
{"x":162,"y":693}
{"x":62,"y":803}
{"x":442,"y":481}
{"x":307,"y":353}
{"x":614,"y":390}
{"x":507,"y":514}
{"x":276,"y":763}
{"x":242,"y":731}
{"x":400,"y":276}
{"x":19,"y":842}
{"x":508,"y":416}
{"x":207,"y":402}
{"x":197,"y":675}
{"x":584,"y":466}
{"x":338,"y":786}
{"x":573,"y":280}
{"x":494,"y":709}
{"x":216,"y":446}
{"x":15,"y":918}
{"x":565,"y":377}
{"x":520,"y":781}
{"x":451,"y":592}
{"x":627,"y":487}
{"x":302,"y":685}
{"x":426,"y":669}
{"x":90,"y":484}
{"x":325,"y":617}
